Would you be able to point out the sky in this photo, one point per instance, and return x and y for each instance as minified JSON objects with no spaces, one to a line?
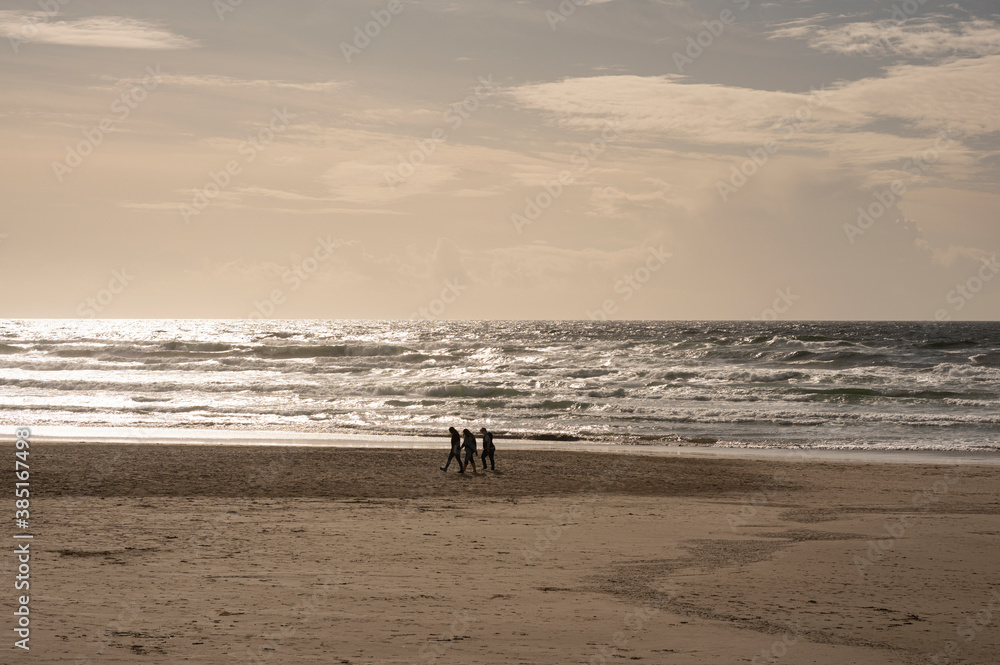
{"x":495,"y":159}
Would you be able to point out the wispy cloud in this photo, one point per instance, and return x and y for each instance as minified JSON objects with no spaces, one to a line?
{"x":216,"y":81}
{"x":236,"y":201}
{"x":864,"y":126}
{"x":706,"y":113}
{"x":917,"y":38}
{"x":94,"y":31}
{"x":962,"y":94}
{"x":365,"y":182}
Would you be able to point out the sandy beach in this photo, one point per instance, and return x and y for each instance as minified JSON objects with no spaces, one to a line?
{"x":233,"y":554}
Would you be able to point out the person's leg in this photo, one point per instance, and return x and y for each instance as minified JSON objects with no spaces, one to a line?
{"x":483,"y":458}
{"x":493,"y":466}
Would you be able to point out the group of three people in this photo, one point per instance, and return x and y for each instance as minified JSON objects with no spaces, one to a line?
{"x":470,"y":449}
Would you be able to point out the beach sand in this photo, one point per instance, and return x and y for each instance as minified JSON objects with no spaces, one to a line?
{"x":254,"y":554}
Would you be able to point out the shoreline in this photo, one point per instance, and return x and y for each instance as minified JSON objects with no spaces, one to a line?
{"x":220,"y":437}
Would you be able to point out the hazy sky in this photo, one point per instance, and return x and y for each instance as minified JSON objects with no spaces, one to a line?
{"x":496,"y":159}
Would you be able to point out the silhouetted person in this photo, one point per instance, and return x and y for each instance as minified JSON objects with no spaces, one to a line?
{"x":488,"y":448}
{"x":470,"y":449}
{"x":456,"y":451}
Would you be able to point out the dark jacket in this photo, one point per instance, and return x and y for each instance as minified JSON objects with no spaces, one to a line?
{"x":470,"y":442}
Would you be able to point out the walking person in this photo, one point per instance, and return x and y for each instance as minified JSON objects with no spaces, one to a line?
{"x":470,"y":449}
{"x":456,"y":451}
{"x":488,"y":448}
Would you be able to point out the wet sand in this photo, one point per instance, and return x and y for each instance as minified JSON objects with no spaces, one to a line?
{"x":232,"y":554}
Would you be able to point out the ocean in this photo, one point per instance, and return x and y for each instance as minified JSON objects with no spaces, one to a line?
{"x":843,"y":385}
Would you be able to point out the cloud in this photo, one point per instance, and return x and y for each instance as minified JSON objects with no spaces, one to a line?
{"x":348,"y":264}
{"x":263,"y":197}
{"x":260,"y":199}
{"x":960,"y":94}
{"x":610,"y":202}
{"x":707,"y":113}
{"x":99,"y":31}
{"x":963,"y":94}
{"x":366,"y":182}
{"x":917,"y":38}
{"x":216,"y":81}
